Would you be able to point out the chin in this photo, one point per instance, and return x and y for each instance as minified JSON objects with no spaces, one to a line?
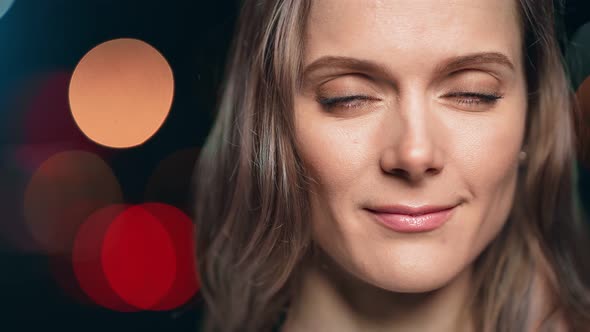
{"x":408,"y":282}
{"x":413,"y":284}
{"x":409,"y":269}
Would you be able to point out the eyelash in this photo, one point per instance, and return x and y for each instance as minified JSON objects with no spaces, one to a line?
{"x":343,"y":101}
{"x":470,"y":98}
{"x":466,"y":98}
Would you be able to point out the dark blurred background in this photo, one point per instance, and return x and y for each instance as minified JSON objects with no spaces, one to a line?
{"x":41,"y":43}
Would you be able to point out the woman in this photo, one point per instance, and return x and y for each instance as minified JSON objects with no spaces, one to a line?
{"x":394,"y":165}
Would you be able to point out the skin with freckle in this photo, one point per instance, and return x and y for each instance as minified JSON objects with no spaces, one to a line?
{"x":419,"y":135}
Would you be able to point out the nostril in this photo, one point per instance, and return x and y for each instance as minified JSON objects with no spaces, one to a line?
{"x":406,"y":174}
{"x":399,"y":172}
{"x":433,"y":171}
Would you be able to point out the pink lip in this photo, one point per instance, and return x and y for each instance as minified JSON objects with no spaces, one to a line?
{"x":406,"y":219}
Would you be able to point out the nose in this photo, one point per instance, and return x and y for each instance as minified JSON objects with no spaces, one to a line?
{"x":415,"y":151}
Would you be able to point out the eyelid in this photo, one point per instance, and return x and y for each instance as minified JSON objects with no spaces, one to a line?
{"x":345,"y":101}
{"x":486,"y":96}
{"x":475,"y":99}
{"x":341,"y":99}
{"x":474,"y":93}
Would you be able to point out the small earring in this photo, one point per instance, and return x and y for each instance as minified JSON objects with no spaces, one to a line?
{"x":522,"y":156}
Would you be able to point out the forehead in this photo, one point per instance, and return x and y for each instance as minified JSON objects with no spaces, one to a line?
{"x":414,"y":34}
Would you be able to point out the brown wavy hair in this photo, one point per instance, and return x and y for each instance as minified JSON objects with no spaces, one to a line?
{"x":252,"y":210}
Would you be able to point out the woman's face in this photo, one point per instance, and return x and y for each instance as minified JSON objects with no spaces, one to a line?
{"x":434,"y":114}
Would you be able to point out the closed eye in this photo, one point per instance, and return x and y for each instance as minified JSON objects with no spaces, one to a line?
{"x":355,"y":101}
{"x":352,"y":101}
{"x":474,"y":97}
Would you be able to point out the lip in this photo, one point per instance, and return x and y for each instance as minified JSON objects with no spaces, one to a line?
{"x":411,"y":210}
{"x":407,"y":219}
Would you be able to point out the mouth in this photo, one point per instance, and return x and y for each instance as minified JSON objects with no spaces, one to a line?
{"x":406,"y":219}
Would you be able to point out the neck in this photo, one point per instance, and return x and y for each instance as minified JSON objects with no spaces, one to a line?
{"x":330,"y":299}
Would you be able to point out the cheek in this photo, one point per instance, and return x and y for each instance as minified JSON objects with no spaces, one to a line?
{"x":487,"y":155}
{"x":485,"y":148}
{"x":339,"y":157}
{"x":335,"y":156}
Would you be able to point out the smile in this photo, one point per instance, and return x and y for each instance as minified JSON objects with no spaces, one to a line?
{"x":413,"y":223}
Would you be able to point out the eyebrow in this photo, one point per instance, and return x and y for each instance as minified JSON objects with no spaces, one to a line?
{"x":449,"y":65}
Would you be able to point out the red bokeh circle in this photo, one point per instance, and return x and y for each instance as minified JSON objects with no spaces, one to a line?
{"x":139,"y":258}
{"x":86,"y":259}
{"x":180,"y":228}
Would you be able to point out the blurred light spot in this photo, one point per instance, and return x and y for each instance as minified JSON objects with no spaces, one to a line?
{"x":48,"y":118}
{"x":180,"y":230}
{"x":171,"y":181}
{"x":30,"y":156}
{"x":583,"y":123}
{"x":19,"y":163}
{"x":62,"y":193}
{"x":139,"y":258}
{"x":38,"y":117}
{"x":5,"y":6}
{"x":121,"y":92}
{"x":87,"y":263}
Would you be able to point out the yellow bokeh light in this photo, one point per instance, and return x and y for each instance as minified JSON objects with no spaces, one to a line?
{"x":121,"y":93}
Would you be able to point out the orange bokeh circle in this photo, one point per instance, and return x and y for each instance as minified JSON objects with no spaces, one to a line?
{"x":121,"y":92}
